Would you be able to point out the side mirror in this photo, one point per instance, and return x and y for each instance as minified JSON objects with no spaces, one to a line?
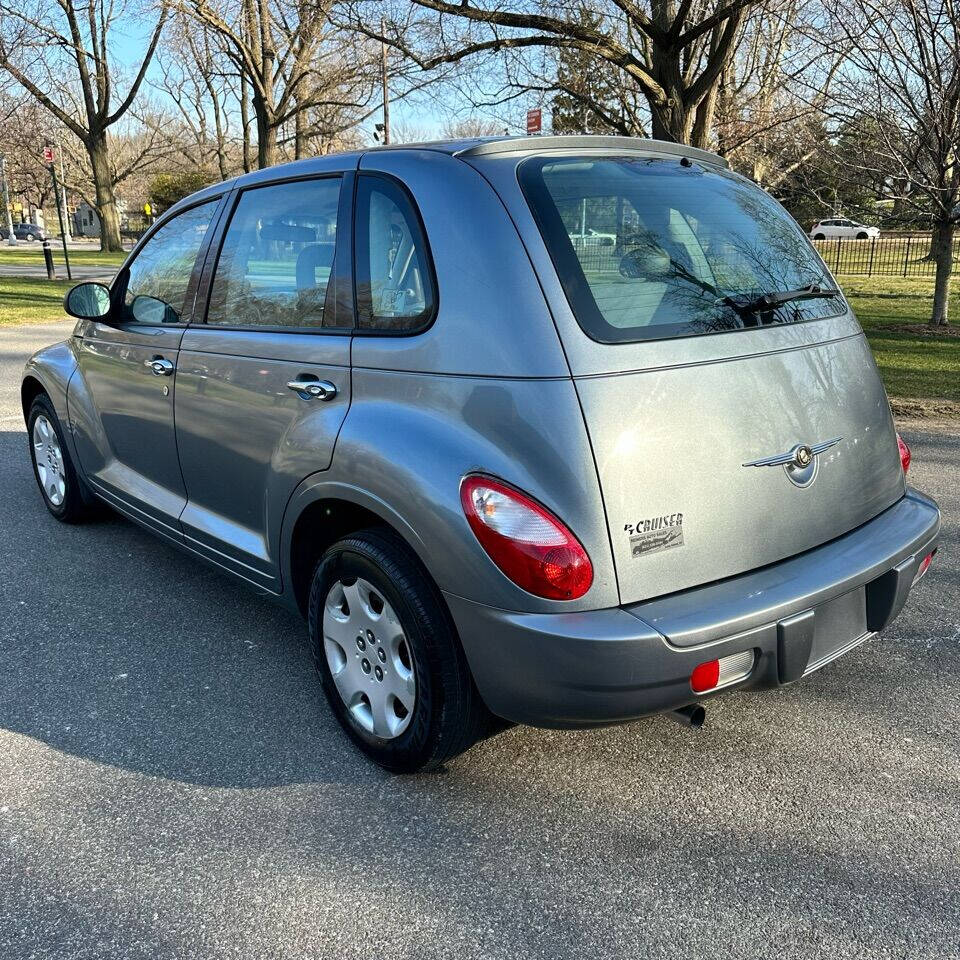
{"x":87,"y":301}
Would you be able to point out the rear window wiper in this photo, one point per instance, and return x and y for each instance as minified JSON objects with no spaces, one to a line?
{"x":770,"y":301}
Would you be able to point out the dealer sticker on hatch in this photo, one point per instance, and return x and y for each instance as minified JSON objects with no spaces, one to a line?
{"x":655,"y":533}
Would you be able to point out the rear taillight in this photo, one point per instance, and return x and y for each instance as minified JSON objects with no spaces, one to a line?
{"x":527,"y":542}
{"x":904,"y":453}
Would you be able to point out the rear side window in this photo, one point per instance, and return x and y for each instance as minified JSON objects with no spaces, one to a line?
{"x":157,"y":281}
{"x":652,"y":248}
{"x":394,"y":274}
{"x":277,"y":257}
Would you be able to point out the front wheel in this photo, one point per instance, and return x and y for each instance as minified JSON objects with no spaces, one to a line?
{"x":819,"y":236}
{"x":30,"y":237}
{"x":862,"y":236}
{"x":388,"y":656}
{"x":53,"y":469}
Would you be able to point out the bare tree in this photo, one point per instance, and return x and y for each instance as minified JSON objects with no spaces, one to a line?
{"x":291,"y":59}
{"x":773,"y":93}
{"x":201,"y":83}
{"x":673,"y":50}
{"x":59,"y":51}
{"x":904,"y":77}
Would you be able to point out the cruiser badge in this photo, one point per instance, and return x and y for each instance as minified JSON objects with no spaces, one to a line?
{"x":655,"y":533}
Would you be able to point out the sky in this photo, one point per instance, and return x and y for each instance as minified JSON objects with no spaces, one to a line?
{"x":425,"y":114}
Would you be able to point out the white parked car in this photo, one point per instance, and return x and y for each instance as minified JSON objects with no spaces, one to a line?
{"x":841,"y":227}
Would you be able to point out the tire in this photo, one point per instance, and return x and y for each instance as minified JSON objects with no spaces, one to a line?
{"x":55,"y":474}
{"x":29,"y":237}
{"x":862,"y":236}
{"x":371,"y":568}
{"x":819,"y":236}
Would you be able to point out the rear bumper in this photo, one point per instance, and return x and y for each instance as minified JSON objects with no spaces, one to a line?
{"x":607,"y":666}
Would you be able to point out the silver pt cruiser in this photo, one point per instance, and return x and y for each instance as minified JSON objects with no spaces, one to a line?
{"x":559,"y":431}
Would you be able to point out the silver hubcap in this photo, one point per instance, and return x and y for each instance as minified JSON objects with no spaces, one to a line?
{"x":369,"y":658}
{"x":49,"y":460}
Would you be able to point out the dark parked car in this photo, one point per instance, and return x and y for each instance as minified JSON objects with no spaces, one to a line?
{"x":500,"y":475}
{"x":24,"y":231}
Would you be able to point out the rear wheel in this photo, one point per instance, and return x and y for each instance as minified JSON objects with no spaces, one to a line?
{"x":388,"y":655}
{"x":30,"y":237}
{"x":52,"y":467}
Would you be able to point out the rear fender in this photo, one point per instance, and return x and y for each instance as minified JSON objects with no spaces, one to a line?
{"x":409,"y":439}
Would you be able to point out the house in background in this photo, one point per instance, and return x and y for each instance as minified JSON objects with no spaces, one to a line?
{"x":86,"y":222}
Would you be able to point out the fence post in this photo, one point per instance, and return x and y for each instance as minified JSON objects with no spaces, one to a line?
{"x":839,"y":241}
{"x":906,"y":259}
{"x":873,"y":247}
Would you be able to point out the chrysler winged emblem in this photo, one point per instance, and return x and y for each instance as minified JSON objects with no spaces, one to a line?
{"x":800,"y":464}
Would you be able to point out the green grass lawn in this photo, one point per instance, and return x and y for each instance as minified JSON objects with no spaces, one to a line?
{"x":31,"y":300}
{"x":31,"y":254}
{"x":914,"y":365}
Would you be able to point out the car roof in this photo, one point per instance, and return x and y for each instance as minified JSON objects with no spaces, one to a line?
{"x":471,"y":147}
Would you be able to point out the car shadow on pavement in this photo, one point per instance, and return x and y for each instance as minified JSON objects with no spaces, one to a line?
{"x":120,"y":648}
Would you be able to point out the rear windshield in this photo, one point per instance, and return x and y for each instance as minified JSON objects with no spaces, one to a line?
{"x":652,"y":248}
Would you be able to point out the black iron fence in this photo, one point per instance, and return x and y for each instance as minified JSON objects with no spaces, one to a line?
{"x":884,"y":256}
{"x":889,"y":256}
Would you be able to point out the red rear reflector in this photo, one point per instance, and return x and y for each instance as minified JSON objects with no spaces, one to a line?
{"x":705,"y":677}
{"x":904,"y":453}
{"x":527,"y":542}
{"x":924,"y":565}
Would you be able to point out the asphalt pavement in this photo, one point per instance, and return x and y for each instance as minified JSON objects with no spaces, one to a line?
{"x":172,"y":784}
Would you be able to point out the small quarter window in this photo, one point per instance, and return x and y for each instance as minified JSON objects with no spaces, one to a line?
{"x":276,"y":262}
{"x":395,"y":290}
{"x":158,"y":279}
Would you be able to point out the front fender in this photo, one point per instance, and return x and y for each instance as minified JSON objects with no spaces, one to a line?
{"x":50,"y":369}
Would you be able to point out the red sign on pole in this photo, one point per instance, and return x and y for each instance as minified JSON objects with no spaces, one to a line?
{"x":48,"y":154}
{"x":534,"y":121}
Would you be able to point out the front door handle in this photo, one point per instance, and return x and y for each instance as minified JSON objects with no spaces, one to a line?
{"x":161,"y":366}
{"x":313,"y":389}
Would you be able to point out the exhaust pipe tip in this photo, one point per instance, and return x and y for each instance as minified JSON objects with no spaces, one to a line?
{"x":692,"y":716}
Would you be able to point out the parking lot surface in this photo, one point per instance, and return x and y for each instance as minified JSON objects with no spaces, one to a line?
{"x":172,"y":784}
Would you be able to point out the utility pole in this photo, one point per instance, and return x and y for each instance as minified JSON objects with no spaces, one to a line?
{"x":383,"y":78}
{"x":11,"y":239}
{"x":63,"y":193}
{"x":48,"y":157}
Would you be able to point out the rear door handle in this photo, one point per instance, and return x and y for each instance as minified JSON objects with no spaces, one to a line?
{"x":313,"y":389}
{"x":161,"y":366}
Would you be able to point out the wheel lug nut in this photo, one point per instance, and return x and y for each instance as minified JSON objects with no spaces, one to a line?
{"x":379,"y":673}
{"x":365,"y":665}
{"x":370,"y":637}
{"x":382,"y":654}
{"x":361,"y":643}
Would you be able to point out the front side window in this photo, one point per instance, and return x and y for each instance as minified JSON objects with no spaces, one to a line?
{"x":158,"y":279}
{"x":395,"y":290}
{"x":689,"y":249}
{"x":276,"y":261}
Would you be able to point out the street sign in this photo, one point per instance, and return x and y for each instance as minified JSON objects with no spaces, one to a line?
{"x":534,"y":121}
{"x":48,"y":154}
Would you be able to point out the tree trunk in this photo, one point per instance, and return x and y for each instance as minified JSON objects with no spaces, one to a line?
{"x":99,"y":152}
{"x":266,"y":134}
{"x":672,"y":122}
{"x":703,"y":124}
{"x":245,"y":122}
{"x":942,"y":251}
{"x":299,"y":135}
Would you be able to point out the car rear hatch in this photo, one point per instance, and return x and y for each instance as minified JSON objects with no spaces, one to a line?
{"x":728,"y":433}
